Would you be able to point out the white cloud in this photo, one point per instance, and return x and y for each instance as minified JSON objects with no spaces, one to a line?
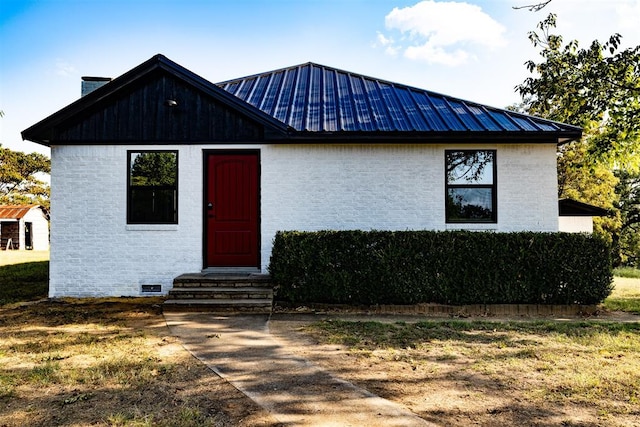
{"x":443,"y":32}
{"x":436,"y":54}
{"x":628,"y":14}
{"x":63,"y":68}
{"x":390,"y":48}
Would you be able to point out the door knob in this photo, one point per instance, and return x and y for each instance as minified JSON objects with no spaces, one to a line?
{"x":210,"y":206}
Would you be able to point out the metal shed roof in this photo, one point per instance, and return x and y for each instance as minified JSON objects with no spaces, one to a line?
{"x":14,"y":212}
{"x":316,"y":98}
{"x":570,"y":207}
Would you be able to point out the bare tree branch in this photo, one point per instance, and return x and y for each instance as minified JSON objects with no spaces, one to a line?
{"x":533,"y":7}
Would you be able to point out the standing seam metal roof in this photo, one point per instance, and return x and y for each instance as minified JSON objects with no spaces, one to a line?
{"x":316,"y":98}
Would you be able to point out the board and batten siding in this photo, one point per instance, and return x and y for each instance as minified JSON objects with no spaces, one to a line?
{"x":302,"y":187}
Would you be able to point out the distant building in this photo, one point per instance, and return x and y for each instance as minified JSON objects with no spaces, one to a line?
{"x":577,"y":217}
{"x":24,"y":227}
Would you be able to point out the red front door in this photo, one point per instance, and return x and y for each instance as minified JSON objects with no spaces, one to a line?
{"x":232,"y":210}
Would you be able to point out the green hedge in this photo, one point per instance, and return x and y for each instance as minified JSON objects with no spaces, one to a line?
{"x":451,"y":267}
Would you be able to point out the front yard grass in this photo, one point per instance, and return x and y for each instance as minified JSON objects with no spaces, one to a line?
{"x":108,"y":362}
{"x":625,"y":295}
{"x":533,"y":372}
{"x":104,"y":362}
{"x":492,"y":373}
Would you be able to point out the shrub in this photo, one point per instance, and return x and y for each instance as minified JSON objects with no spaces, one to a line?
{"x":451,"y":267}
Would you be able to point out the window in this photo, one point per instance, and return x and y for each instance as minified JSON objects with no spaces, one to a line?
{"x":471,"y":186}
{"x":152,"y":187}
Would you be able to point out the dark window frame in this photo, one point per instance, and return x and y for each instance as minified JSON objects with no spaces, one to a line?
{"x":131,"y":188}
{"x":493,"y":187}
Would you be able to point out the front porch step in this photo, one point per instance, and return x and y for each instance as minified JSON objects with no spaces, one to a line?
{"x":196,"y":280}
{"x":240,"y":292}
{"x":221,"y":292}
{"x":219,"y":305}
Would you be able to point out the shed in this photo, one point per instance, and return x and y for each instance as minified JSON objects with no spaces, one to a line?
{"x":24,"y":227}
{"x":577,"y":217}
{"x":160,"y":172}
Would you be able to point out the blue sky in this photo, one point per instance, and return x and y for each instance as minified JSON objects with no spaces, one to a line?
{"x":473,"y":49}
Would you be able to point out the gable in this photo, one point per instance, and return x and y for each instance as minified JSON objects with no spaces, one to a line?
{"x":157,"y":102}
{"x":142,"y":113}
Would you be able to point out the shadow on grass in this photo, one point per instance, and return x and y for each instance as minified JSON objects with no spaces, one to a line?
{"x":459,"y":372}
{"x":375,"y":335}
{"x":24,"y":282}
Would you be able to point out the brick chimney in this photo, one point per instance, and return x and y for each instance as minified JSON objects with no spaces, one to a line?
{"x":89,"y":84}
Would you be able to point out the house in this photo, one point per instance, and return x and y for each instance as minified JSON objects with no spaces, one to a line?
{"x":160,"y":172}
{"x":24,"y":227}
{"x":577,"y":217}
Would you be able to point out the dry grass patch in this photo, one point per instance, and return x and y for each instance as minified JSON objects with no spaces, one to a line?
{"x":19,"y":257}
{"x":625,"y":295}
{"x":107,"y":362}
{"x":534,"y":373}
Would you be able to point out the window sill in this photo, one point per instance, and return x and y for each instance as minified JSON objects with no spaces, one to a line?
{"x":151,"y":227}
{"x":472,"y":226}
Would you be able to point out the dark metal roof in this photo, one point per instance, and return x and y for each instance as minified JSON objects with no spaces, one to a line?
{"x":316,"y":98}
{"x":307,"y":102}
{"x":570,"y":207}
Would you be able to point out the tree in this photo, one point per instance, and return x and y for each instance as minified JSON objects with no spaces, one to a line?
{"x":154,"y":169}
{"x":628,"y":240}
{"x":597,"y":88}
{"x":19,"y":182}
{"x":536,"y":7}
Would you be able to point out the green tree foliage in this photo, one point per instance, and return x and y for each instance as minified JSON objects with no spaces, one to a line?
{"x":628,"y":204}
{"x":19,"y":182}
{"x":154,"y":169}
{"x":580,"y":178}
{"x":597,"y":88}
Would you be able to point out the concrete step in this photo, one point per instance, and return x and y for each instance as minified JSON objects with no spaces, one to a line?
{"x":194,"y":280}
{"x":225,"y":292}
{"x":245,"y":292}
{"x":217,"y":305}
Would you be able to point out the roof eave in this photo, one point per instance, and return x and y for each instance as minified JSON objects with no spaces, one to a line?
{"x":485,"y":137}
{"x":570,"y":207}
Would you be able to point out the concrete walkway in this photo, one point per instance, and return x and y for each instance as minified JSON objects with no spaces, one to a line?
{"x":296,"y":392}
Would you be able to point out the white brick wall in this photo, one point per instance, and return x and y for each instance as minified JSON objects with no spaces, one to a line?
{"x":388,"y":187}
{"x":303,"y":187}
{"x":93,"y":250}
